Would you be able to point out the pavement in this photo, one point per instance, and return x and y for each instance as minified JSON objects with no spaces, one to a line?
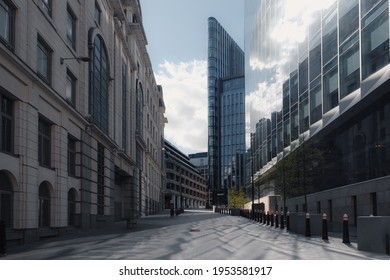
{"x":193,"y":235}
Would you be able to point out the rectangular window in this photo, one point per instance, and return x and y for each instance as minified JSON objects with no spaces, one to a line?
{"x":98,"y":13}
{"x":44,"y":143}
{"x":72,"y":142}
{"x":315,"y":103}
{"x":6,"y":124}
{"x":71,"y":27}
{"x":70,"y":88}
{"x":331,"y":89}
{"x":375,"y":40}
{"x":44,"y":60}
{"x":100,"y":179}
{"x":46,"y":6}
{"x":6,"y":23}
{"x":348,"y":18}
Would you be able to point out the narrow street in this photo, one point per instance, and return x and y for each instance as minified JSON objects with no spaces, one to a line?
{"x":194,"y":235}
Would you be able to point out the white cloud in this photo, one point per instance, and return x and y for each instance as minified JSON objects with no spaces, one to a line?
{"x":185,"y":96}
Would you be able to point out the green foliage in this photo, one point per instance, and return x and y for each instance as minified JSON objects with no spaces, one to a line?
{"x":237,"y":198}
{"x":294,"y":174}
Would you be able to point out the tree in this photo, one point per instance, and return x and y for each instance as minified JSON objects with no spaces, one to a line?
{"x":237,"y":198}
{"x":294,"y":174}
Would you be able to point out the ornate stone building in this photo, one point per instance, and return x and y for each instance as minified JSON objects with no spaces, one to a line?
{"x":82,"y":118}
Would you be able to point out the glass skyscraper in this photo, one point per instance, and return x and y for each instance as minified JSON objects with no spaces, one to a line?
{"x":226,"y":109}
{"x":318,"y":72}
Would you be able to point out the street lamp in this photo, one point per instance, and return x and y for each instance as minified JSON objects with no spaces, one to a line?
{"x":79,"y":58}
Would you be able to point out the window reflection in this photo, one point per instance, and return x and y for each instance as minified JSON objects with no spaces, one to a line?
{"x":375,"y":40}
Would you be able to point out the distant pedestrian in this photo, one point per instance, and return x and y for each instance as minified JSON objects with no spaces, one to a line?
{"x":3,"y":239}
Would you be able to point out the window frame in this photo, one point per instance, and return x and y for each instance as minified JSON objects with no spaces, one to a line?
{"x":72,"y":79}
{"x":9,"y":42}
{"x":43,"y":48}
{"x":71,"y":19}
{"x":72,"y":156}
{"x":97,"y":13}
{"x":10,"y":117}
{"x":46,"y":6}
{"x":44,"y":142}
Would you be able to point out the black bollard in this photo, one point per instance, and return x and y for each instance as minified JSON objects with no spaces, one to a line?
{"x":282,"y":220}
{"x":272,"y":219}
{"x":325,"y":227}
{"x":268,"y":218}
{"x":288,"y":220}
{"x":261,"y":216}
{"x":345,"y":229}
{"x":277,"y":220}
{"x":264,"y":218}
{"x":307,"y":231}
{"x":3,"y":239}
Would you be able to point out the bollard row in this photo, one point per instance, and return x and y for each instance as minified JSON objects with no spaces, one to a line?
{"x":281,"y":220}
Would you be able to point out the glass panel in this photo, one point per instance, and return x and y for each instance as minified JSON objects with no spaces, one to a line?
{"x":331,"y":97}
{"x":349,"y":71}
{"x":349,"y":18}
{"x":315,"y":104}
{"x":329,"y":37}
{"x":5,"y":20}
{"x":375,"y":44}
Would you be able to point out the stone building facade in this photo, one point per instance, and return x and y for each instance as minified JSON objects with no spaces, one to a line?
{"x":186,"y":187}
{"x":82,"y":117}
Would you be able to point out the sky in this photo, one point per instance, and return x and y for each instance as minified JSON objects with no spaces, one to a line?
{"x":176,"y":31}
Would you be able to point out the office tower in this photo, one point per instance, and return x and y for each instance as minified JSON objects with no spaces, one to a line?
{"x":226,"y":111}
{"x":318,"y":76}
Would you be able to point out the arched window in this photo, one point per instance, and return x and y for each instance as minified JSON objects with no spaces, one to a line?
{"x":44,"y":205}
{"x":99,"y":79}
{"x":6,"y":199}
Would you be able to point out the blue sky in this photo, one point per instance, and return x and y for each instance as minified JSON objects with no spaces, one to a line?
{"x":177,"y":44}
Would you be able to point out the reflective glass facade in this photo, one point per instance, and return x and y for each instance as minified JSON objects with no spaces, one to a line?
{"x":225,"y":101}
{"x":319,"y":70}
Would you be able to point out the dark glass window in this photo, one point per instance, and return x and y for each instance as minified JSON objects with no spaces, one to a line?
{"x":70,"y":88}
{"x":6,"y":23}
{"x":124,"y":106}
{"x":99,"y":85}
{"x":303,"y":76}
{"x":294,"y":125}
{"x":315,"y":59}
{"x":315,"y":103}
{"x":44,"y":60}
{"x":375,"y":40}
{"x":329,"y":36}
{"x":98,"y":13}
{"x":349,"y":70}
{"x":139,"y":109}
{"x":100,"y":180}
{"x":44,"y":143}
{"x":286,"y":97}
{"x":293,"y":88}
{"x":71,"y":27}
{"x":367,"y":5}
{"x":46,"y":6}
{"x":6,"y":194}
{"x":6,"y":123}
{"x":304,"y":115}
{"x":331,"y":89}
{"x":72,"y":142}
{"x":44,"y":205}
{"x":349,"y":18}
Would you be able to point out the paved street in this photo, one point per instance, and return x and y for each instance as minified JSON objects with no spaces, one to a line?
{"x":192,"y":235}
